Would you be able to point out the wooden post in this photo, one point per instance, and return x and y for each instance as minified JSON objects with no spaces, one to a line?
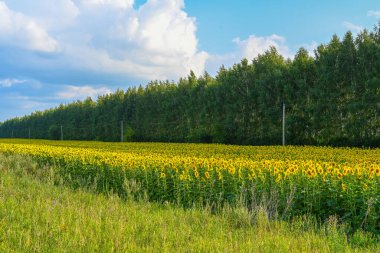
{"x":283,"y":124}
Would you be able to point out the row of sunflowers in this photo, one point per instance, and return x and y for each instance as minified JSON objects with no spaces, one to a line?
{"x":290,"y":181}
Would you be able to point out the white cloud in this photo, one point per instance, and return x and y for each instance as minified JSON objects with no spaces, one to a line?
{"x":81,"y":92}
{"x":156,"y":41}
{"x":248,"y":48}
{"x":375,"y":14}
{"x":124,"y":4}
{"x":254,"y":45}
{"x":9,"y":82}
{"x":162,"y":27}
{"x":310,"y":47}
{"x":215,"y":61}
{"x":17,"y":29}
{"x":352,"y":27}
{"x":49,"y":14}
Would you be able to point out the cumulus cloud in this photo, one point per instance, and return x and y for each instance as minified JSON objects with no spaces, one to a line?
{"x":254,"y":45}
{"x":352,"y":27}
{"x":17,"y":29}
{"x":249,"y":48}
{"x":156,"y":41}
{"x":310,"y":47}
{"x":9,"y":82}
{"x":81,"y":92}
{"x":32,"y":96}
{"x":124,"y":4}
{"x":51,"y":15}
{"x":375,"y":14}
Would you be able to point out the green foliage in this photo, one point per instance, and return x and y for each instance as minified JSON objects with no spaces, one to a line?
{"x":331,"y":99}
{"x":128,"y":133}
{"x":54,"y":132}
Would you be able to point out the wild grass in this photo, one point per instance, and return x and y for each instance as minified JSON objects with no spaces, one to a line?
{"x":37,"y":214}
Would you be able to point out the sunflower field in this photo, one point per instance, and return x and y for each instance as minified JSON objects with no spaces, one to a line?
{"x":288,"y":181}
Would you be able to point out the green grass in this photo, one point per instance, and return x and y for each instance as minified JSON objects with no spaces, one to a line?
{"x":38,"y":216}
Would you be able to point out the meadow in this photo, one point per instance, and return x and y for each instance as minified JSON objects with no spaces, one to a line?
{"x":286,"y":182}
{"x":37,"y":214}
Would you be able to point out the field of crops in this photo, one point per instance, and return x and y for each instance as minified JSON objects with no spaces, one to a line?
{"x":286,"y":181}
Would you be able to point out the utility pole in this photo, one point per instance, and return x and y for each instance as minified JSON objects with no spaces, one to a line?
{"x":29,"y":133}
{"x":122,"y":131}
{"x":61,"y":133}
{"x":283,"y":124}
{"x":12,"y":133}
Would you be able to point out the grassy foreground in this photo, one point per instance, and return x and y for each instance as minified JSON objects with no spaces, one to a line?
{"x":37,"y":216}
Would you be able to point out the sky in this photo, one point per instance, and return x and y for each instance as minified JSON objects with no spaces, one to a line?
{"x":59,"y":51}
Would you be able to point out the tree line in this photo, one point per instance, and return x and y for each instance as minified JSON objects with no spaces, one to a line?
{"x":332,"y":98}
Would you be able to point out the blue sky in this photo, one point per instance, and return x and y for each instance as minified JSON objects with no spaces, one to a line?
{"x":54,"y":52}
